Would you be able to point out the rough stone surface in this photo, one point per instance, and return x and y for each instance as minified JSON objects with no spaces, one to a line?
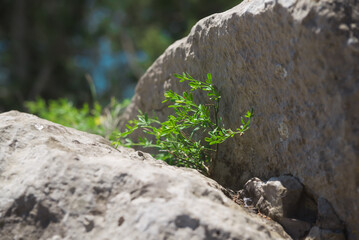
{"x":317,"y":233}
{"x":253,"y":189}
{"x":296,"y":63}
{"x":279,"y":198}
{"x":60,"y":183}
{"x":296,"y":228}
{"x":327,"y":218}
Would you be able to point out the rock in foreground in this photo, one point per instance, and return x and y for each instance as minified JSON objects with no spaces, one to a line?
{"x":60,"y":183}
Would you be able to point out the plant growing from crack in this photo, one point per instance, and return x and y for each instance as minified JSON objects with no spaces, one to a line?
{"x":191,"y":136}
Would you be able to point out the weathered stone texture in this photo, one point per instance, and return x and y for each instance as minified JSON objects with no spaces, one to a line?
{"x":281,"y":198}
{"x":296,"y":64}
{"x":60,"y":183}
{"x":277,"y":198}
{"x":317,"y":233}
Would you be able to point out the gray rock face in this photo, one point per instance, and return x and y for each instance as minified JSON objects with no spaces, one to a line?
{"x":277,"y":198}
{"x":296,"y":228}
{"x":317,"y":233}
{"x":296,"y":64}
{"x":327,"y":218}
{"x":60,"y":183}
{"x":283,"y":199}
{"x":253,"y":189}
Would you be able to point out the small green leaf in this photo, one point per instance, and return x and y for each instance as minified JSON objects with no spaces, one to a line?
{"x":209,"y":78}
{"x":179,"y":138}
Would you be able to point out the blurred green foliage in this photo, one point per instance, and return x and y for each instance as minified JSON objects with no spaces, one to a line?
{"x":97,"y":120}
{"x":48,"y":46}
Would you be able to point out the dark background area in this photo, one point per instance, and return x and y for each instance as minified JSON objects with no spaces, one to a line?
{"x":48,"y":47}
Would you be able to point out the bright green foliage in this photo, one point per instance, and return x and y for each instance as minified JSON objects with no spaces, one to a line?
{"x":187,"y":137}
{"x":98,"y":120}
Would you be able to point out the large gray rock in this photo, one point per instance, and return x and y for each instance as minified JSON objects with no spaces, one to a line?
{"x":60,"y":183}
{"x":277,"y":198}
{"x":296,"y":64}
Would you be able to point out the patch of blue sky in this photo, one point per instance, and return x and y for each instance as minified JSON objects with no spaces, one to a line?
{"x":129,"y":90}
{"x":83,"y":62}
{"x":105,"y":62}
{"x":141,"y":56}
{"x":96,"y":17}
{"x":99,"y":77}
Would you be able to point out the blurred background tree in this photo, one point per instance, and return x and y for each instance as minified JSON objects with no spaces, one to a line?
{"x":48,"y":47}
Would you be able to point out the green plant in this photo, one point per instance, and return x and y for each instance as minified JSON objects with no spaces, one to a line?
{"x":98,"y":120}
{"x":187,"y":137}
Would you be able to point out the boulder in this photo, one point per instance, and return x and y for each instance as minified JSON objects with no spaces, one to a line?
{"x":296,"y":64}
{"x":60,"y":183}
{"x":280,"y":199}
{"x":277,"y":198}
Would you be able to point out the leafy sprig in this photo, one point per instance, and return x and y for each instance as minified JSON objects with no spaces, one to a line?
{"x":178,"y":139}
